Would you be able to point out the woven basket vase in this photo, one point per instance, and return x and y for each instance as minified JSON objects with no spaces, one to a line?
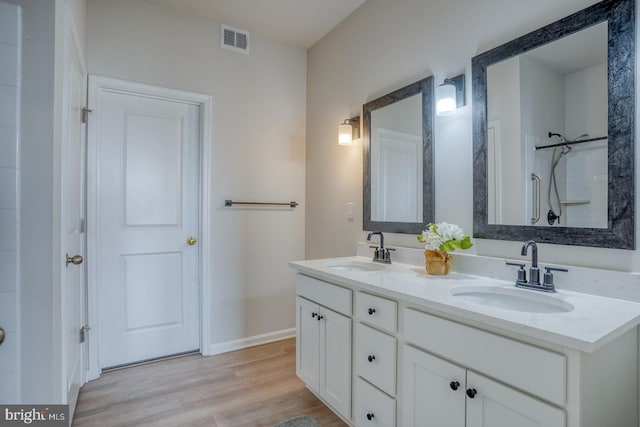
{"x":437,"y":262}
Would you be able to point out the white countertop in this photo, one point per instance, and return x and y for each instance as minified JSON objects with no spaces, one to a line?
{"x":593,"y":322}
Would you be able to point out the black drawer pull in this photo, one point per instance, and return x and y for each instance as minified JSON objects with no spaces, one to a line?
{"x":370,"y":416}
{"x":371,"y":311}
{"x":371,"y":358}
{"x":454,"y":385}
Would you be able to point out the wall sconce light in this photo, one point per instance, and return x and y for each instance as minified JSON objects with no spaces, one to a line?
{"x":349,"y":130}
{"x":450,"y":96}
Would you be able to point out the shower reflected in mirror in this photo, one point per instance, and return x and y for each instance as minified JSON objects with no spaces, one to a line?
{"x":554,"y":132}
{"x":538,"y":103}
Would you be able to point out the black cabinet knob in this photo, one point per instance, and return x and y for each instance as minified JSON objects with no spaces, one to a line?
{"x":370,"y":416}
{"x":371,"y":358}
{"x":454,"y":385}
{"x":371,"y":311}
{"x":320,"y":317}
{"x":471,"y":392}
{"x":314,"y":314}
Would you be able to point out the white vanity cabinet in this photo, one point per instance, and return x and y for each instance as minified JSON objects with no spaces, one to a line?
{"x":324,"y":339}
{"x":419,"y":362}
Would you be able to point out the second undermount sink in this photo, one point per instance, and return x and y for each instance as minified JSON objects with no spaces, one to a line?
{"x":355,"y":266}
{"x":512,"y":299}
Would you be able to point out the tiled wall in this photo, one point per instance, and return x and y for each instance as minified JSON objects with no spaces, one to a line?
{"x":9,"y":98}
{"x":587,"y":165}
{"x":587,"y":180}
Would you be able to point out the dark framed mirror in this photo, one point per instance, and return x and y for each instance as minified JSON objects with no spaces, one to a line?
{"x":554,"y":132}
{"x":398,"y":160}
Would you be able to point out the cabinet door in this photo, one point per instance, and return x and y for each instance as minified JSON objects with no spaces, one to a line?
{"x":496,"y":405}
{"x":308,"y":343}
{"x":433,"y":391}
{"x":335,"y":360}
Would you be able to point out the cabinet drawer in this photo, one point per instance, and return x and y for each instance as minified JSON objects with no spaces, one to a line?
{"x":376,"y":358}
{"x":376,"y":311}
{"x":538,"y":371}
{"x":373,"y":407}
{"x":332,"y":296}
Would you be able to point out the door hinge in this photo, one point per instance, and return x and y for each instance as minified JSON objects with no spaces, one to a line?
{"x":85,"y":114}
{"x":82,"y":226}
{"x":83,"y":333}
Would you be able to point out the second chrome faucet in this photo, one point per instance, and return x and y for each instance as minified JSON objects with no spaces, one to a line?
{"x":534,"y":272}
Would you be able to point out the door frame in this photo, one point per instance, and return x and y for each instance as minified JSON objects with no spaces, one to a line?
{"x":205,"y":103}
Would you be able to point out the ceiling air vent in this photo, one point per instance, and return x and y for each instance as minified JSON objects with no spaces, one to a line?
{"x":234,"y":39}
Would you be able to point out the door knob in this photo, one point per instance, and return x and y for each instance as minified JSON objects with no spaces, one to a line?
{"x":191,"y":241}
{"x":2,"y":335}
{"x":75,"y":260}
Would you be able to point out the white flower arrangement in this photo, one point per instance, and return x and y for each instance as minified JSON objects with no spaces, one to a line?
{"x":444,"y":237}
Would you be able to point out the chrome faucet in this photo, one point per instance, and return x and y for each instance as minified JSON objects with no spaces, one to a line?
{"x":534,"y":271}
{"x":381,"y":253}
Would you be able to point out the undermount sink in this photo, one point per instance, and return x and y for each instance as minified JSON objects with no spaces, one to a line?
{"x":512,"y":299}
{"x":355,"y":266}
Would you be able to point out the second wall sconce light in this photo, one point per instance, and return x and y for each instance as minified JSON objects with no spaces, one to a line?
{"x":349,"y":130}
{"x":450,"y":96}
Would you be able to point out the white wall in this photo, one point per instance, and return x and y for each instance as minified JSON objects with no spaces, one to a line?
{"x":79,"y":17}
{"x":258,"y":148}
{"x":30,"y":213}
{"x":380,"y":47}
{"x":9,"y":125}
{"x":37,"y":254}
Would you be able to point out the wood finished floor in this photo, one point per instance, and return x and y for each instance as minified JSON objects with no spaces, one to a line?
{"x":252,"y":387}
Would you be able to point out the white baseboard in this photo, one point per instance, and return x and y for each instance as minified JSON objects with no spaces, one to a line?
{"x":225,"y":347}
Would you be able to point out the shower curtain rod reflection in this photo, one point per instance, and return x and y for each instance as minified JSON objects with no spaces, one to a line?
{"x":579,"y":141}
{"x":289,"y":204}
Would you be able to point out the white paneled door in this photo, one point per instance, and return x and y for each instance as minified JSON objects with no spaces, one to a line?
{"x":72,"y":214}
{"x":147,"y":239}
{"x":396,"y":176}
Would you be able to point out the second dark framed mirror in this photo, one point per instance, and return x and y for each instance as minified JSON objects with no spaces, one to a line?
{"x":554,"y":132}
